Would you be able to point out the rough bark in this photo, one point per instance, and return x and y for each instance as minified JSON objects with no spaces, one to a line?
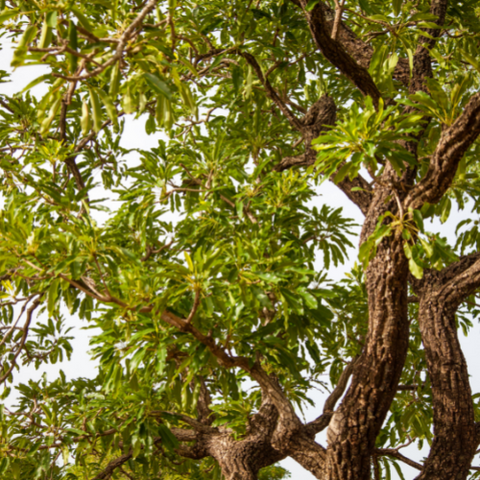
{"x":422,"y":62}
{"x":455,"y":439}
{"x":453,"y":144}
{"x":359,"y":50}
{"x":336,"y":54}
{"x":357,"y":422}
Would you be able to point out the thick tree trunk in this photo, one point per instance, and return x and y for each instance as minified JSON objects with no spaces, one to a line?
{"x":455,"y":440}
{"x":242,"y":459}
{"x":356,"y":424}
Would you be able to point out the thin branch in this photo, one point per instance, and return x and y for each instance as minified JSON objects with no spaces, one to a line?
{"x":196,"y":304}
{"x":338,"y":18}
{"x":323,"y":420}
{"x":26,"y":327}
{"x":396,"y":454}
{"x":122,"y":42}
{"x":114,"y":464}
{"x":271,"y":93}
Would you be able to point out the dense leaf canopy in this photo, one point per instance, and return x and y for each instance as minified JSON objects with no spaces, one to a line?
{"x":203,"y":264}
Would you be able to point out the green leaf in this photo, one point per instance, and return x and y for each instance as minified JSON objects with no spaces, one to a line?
{"x":417,"y":215}
{"x":109,"y":106}
{"x":158,"y":85}
{"x":7,"y":14}
{"x":82,"y":19}
{"x":73,"y":44}
{"x":415,"y":269}
{"x":189,"y":261}
{"x":37,"y":81}
{"x":85,"y":121}
{"x":397,"y":7}
{"x":168,"y":439}
{"x":311,"y":5}
{"x":96,"y":110}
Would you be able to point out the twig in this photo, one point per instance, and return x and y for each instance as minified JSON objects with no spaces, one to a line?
{"x":396,"y":454}
{"x":196,"y":304}
{"x":338,"y":18}
{"x":30,"y":311}
{"x":127,"y":34}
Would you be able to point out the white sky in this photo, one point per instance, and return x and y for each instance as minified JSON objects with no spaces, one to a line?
{"x":135,"y":137}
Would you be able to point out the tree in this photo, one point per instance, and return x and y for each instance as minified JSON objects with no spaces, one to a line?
{"x":202,"y":273}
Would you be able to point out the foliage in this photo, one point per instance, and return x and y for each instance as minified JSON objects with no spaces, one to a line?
{"x":202,"y":225}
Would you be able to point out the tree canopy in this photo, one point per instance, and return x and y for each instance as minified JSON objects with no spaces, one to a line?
{"x":204,"y":264}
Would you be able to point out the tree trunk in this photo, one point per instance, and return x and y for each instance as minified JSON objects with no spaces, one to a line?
{"x":242,"y":459}
{"x":455,"y":440}
{"x":356,"y":424}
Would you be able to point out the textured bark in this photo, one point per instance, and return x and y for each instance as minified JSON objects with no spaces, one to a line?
{"x":336,"y":54}
{"x":422,"y":62}
{"x":277,"y":432}
{"x":455,"y":439}
{"x":356,"y":424}
{"x":453,"y":144}
{"x":359,"y":50}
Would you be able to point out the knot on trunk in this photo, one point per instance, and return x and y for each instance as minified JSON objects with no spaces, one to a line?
{"x":319,"y":117}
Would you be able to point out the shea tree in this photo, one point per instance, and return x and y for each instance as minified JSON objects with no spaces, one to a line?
{"x":203,"y":264}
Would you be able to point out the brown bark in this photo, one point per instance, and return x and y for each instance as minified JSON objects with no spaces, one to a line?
{"x":357,"y":422}
{"x":422,"y":62}
{"x":336,"y":54}
{"x":359,"y":50}
{"x":455,"y":439}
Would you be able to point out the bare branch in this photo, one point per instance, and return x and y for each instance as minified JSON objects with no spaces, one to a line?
{"x":391,"y":452}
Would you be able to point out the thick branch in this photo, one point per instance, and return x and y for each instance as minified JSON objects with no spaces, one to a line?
{"x":422,"y":62}
{"x":335,"y":53}
{"x":455,"y":439}
{"x":453,"y":144}
{"x":359,"y":50}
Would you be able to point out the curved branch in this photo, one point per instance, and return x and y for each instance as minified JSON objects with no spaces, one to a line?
{"x":272,"y":94}
{"x":453,"y":144}
{"x":113,"y":465}
{"x":25,"y":329}
{"x":335,"y":53}
{"x":422,"y":61}
{"x":455,"y":432}
{"x":360,"y":51}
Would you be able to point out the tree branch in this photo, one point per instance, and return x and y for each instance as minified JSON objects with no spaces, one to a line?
{"x":272,"y":94}
{"x":391,"y":452}
{"x":335,"y":53}
{"x":422,"y":62}
{"x":319,"y":424}
{"x":454,"y":143}
{"x":25,"y":329}
{"x":114,"y":464}
{"x":455,"y":439}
